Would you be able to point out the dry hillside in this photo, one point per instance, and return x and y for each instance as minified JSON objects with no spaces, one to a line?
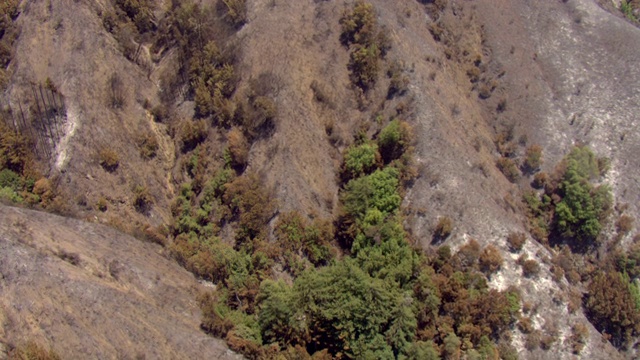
{"x":203,"y":126}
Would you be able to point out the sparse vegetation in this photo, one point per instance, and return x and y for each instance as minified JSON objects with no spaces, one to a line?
{"x":32,"y":351}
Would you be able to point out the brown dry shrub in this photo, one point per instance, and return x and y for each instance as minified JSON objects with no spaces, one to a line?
{"x":148,"y":145}
{"x":516,"y":241}
{"x":142,"y":199}
{"x":624,"y":224}
{"x":32,"y":351}
{"x":509,"y":168}
{"x":533,"y":158}
{"x":526,"y":325}
{"x":116,"y":91}
{"x":44,"y":189}
{"x":490,"y":259}
{"x":236,"y":12}
{"x":541,"y":180}
{"x":109,"y":159}
{"x":443,"y":228}
{"x":238,"y":148}
{"x":192,"y":133}
{"x":579,"y":335}
{"x":533,"y":340}
{"x":530,"y":267}
{"x":251,"y":204}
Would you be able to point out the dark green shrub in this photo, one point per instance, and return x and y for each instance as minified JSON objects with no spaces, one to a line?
{"x":583,"y":208}
{"x":11,"y":180}
{"x":376,"y":191}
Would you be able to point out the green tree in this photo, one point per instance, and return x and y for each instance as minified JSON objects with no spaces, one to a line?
{"x":360,"y":160}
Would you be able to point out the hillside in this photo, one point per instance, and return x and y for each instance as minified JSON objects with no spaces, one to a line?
{"x":270,"y":146}
{"x":91,"y":292}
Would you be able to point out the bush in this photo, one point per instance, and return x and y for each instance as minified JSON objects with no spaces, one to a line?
{"x":360,"y":160}
{"x":443,"y":229}
{"x":11,"y":180}
{"x":579,"y":336}
{"x":250,"y":204}
{"x":364,"y":65}
{"x":394,"y":140}
{"x":32,"y":351}
{"x":516,"y":241}
{"x":360,"y":32}
{"x":623,"y":225}
{"x":490,"y":259}
{"x":358,"y":25}
{"x":508,"y":167}
{"x":611,"y":307}
{"x":236,"y":12}
{"x":541,"y":180}
{"x":530,"y":268}
{"x":142,"y":199}
{"x":116,"y":91}
{"x":533,"y":158}
{"x":238,"y":148}
{"x":192,"y":133}
{"x":108,"y":159}
{"x":102,"y":204}
{"x":583,"y":208}
{"x":399,"y":83}
{"x":148,"y":145}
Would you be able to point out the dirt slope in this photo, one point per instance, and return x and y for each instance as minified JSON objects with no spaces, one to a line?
{"x":111,"y":296}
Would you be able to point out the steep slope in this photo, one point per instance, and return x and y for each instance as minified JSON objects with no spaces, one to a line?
{"x":89,"y":291}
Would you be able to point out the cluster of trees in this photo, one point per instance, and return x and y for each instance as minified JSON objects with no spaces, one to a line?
{"x":366,"y":41}
{"x":20,"y":182}
{"x":571,"y":208}
{"x":8,"y":34}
